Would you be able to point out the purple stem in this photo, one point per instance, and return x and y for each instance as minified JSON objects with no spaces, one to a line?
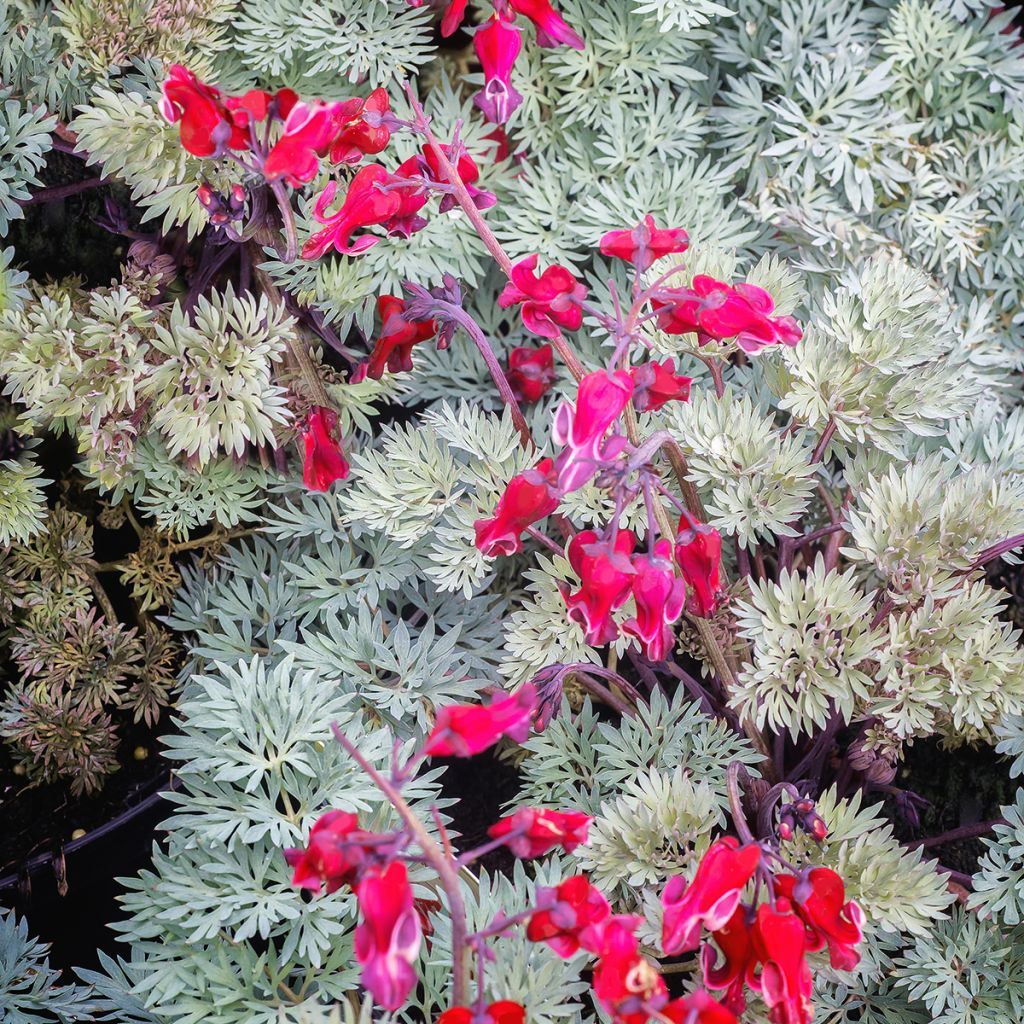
{"x":57,"y":192}
{"x":979,"y":828}
{"x":997,"y":550}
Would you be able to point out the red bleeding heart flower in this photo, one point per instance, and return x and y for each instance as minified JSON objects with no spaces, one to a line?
{"x":714,"y":309}
{"x":606,"y":574}
{"x":359,"y":137}
{"x":568,"y":924}
{"x":387,"y":940}
{"x":308,"y":131}
{"x":462,"y":730}
{"x":550,"y":300}
{"x":532,"y":833}
{"x":551,"y":27}
{"x":697,"y":1008}
{"x":529,"y":497}
{"x":454,"y":15}
{"x":625,"y":982}
{"x":325,"y":461}
{"x":711,"y":898}
{"x":258,"y":104}
{"x":331,"y":858}
{"x":785,"y":979}
{"x":736,"y":942}
{"x":531,"y":372}
{"x":659,"y":598}
{"x":207,"y":127}
{"x":600,"y":400}
{"x":497,"y":44}
{"x":398,"y":336}
{"x":427,"y":164}
{"x":504,"y":1011}
{"x":645,"y":243}
{"x":655,"y":384}
{"x":819,"y":900}
{"x":699,"y":555}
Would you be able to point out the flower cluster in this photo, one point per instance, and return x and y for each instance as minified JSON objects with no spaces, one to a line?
{"x":762,"y":947}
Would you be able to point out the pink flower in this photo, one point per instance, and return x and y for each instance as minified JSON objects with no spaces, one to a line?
{"x":645,"y":243}
{"x":532,"y":832}
{"x":331,"y":857}
{"x":454,"y":15}
{"x":529,"y":497}
{"x":711,"y":898}
{"x":569,"y":923}
{"x":736,"y":941}
{"x":359,"y":138}
{"x":550,"y":301}
{"x":819,"y":899}
{"x":462,"y":730}
{"x":714,"y":309}
{"x":387,"y":940}
{"x":697,"y":1008}
{"x":699,"y":554}
{"x":497,"y":44}
{"x":257,"y":104}
{"x":659,"y":598}
{"x":398,"y":336}
{"x":655,"y":384}
{"x":308,"y":131}
{"x":428,"y":165}
{"x":207,"y":127}
{"x":365,"y":204}
{"x":785,"y":979}
{"x":551,"y":27}
{"x":625,"y":983}
{"x":504,"y":1011}
{"x":325,"y":461}
{"x":531,"y":372}
{"x":605,"y":577}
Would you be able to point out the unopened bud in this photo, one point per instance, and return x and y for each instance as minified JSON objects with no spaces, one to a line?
{"x":206,"y":197}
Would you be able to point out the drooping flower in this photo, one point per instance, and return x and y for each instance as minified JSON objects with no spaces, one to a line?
{"x":659,"y":598}
{"x":462,"y":730}
{"x":568,"y":924}
{"x":325,"y":461}
{"x":398,"y":336}
{"x":504,"y":1011}
{"x":645,"y":243}
{"x":736,"y":942}
{"x":699,"y":555}
{"x":551,"y":27}
{"x":550,"y":300}
{"x":529,"y":497}
{"x":427,"y":164}
{"x":785,"y":978}
{"x":387,"y":940}
{"x":711,"y":898}
{"x":308,"y":131}
{"x":207,"y":128}
{"x":454,"y":15}
{"x":259,"y":104}
{"x":365,"y":132}
{"x":606,"y":574}
{"x":626,"y":984}
{"x":532,"y":833}
{"x":819,"y":899}
{"x":331,"y":857}
{"x":714,"y":309}
{"x":497,"y":44}
{"x":697,"y":1008}
{"x":655,"y":384}
{"x":531,"y":372}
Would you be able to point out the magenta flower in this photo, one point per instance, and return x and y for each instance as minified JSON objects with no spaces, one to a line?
{"x":325,"y":461}
{"x":550,"y":300}
{"x":462,"y":730}
{"x":531,"y":372}
{"x":532,"y":832}
{"x":605,"y":574}
{"x":645,"y":243}
{"x":819,"y":899}
{"x":570,"y":923}
{"x":308,"y":132}
{"x":529,"y":497}
{"x":387,"y":940}
{"x":398,"y":335}
{"x":550,"y":25}
{"x":365,"y":132}
{"x":600,"y":400}
{"x":454,"y":15}
{"x":258,"y":104}
{"x":207,"y":126}
{"x":655,"y":384}
{"x":497,"y":44}
{"x":711,"y":898}
{"x":785,"y":980}
{"x":331,"y":858}
{"x":659,"y":598}
{"x":699,"y":555}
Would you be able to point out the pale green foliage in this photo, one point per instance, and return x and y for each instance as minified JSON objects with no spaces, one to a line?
{"x":759,"y":481}
{"x":24,"y":143}
{"x":22,"y":500}
{"x":999,"y":881}
{"x":681,"y":14}
{"x":213,"y":390}
{"x":951,"y":666}
{"x":12,"y":281}
{"x":1010,"y":734}
{"x":30,"y":992}
{"x":812,"y":648}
